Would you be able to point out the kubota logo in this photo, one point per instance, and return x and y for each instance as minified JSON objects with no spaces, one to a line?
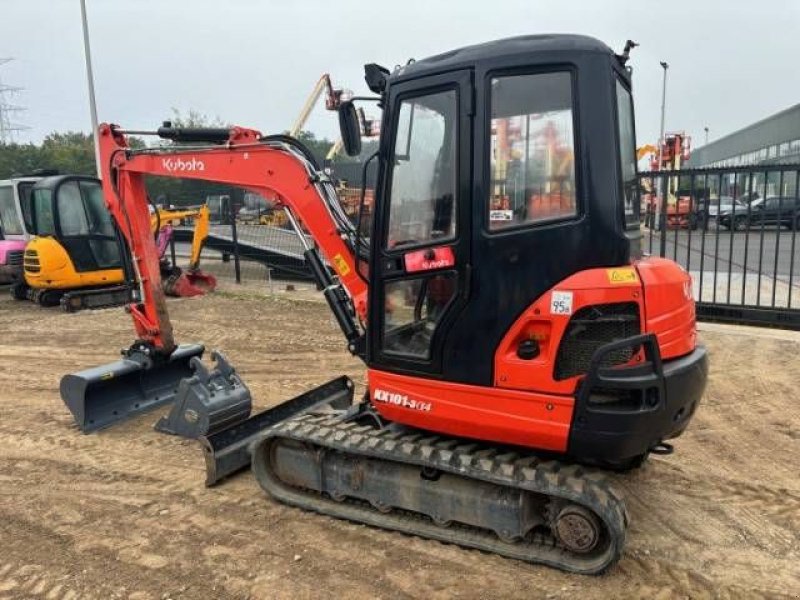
{"x":178,"y":164}
{"x":436,"y":264}
{"x":401,"y":400}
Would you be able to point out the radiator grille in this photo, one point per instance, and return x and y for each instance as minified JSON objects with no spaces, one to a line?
{"x":32,"y":261}
{"x":592,"y":327}
{"x":14,"y":258}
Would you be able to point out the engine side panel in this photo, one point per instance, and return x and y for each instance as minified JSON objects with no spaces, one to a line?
{"x":477,"y":412}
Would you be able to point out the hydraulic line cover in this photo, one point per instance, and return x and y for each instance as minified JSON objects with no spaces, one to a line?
{"x":102,"y":396}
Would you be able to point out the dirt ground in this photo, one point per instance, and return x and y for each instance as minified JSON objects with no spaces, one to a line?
{"x":124,"y":513}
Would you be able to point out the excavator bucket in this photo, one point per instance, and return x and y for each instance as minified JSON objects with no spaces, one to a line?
{"x":201,"y":280}
{"x":207,"y":402}
{"x":186,"y":284}
{"x":102,"y":396}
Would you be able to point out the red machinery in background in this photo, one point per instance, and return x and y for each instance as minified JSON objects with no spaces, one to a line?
{"x":679,"y":214}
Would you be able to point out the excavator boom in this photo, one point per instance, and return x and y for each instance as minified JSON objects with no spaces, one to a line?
{"x":279,"y":166}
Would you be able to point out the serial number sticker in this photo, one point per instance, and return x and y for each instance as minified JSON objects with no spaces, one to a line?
{"x":341,"y":265}
{"x":561,"y":303}
{"x":626,"y":275}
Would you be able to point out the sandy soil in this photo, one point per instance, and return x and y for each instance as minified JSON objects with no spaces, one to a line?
{"x":124,"y":513}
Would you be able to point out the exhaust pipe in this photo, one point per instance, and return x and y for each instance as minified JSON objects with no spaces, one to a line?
{"x":102,"y":396}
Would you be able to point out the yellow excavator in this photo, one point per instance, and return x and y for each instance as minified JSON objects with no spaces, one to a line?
{"x":74,"y":259}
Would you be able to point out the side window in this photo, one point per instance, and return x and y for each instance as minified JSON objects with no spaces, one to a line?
{"x":423,"y":190}
{"x":71,"y":214}
{"x":532,"y":150}
{"x":9,"y":220}
{"x":43,"y":212}
{"x":627,"y":156}
{"x":99,"y":219}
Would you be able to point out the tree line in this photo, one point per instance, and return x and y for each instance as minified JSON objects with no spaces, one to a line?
{"x":72,"y":152}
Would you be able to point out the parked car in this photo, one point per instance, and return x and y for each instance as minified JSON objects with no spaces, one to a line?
{"x":778,"y":210}
{"x":722,"y":205}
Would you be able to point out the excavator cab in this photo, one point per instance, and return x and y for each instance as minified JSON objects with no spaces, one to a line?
{"x":505,"y":254}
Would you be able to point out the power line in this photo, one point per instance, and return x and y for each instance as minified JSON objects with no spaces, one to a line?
{"x":8,"y":127}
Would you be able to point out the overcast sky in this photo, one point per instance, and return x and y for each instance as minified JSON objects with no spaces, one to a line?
{"x":253,"y":62}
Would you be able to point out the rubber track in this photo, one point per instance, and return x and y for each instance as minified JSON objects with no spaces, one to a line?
{"x":93,"y":292}
{"x":472,"y":460}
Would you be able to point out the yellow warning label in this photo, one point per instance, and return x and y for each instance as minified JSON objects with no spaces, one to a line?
{"x":107,"y":376}
{"x":341,"y":265}
{"x":626,"y":275}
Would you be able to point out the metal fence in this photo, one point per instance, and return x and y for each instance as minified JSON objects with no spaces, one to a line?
{"x":737,"y":232}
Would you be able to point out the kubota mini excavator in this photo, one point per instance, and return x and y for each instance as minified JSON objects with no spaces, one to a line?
{"x":513,"y":332}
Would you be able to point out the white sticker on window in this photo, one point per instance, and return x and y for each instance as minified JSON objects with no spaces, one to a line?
{"x":561,"y":303}
{"x":501,"y":215}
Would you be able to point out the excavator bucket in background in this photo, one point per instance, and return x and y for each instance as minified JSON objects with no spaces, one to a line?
{"x":102,"y":396}
{"x":186,"y":284}
{"x":201,"y":280}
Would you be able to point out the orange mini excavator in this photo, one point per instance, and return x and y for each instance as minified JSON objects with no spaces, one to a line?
{"x":516,"y":340}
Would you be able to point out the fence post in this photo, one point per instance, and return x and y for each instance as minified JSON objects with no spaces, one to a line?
{"x":662,"y":222}
{"x":235,"y":235}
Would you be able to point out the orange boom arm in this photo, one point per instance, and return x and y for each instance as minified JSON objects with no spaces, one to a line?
{"x":245,"y":159}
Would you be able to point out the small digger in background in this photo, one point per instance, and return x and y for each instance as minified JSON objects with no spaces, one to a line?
{"x":74,"y":259}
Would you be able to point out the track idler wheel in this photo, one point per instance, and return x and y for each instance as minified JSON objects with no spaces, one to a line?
{"x":577,"y":529}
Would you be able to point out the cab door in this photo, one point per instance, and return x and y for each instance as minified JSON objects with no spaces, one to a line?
{"x":421,"y":235}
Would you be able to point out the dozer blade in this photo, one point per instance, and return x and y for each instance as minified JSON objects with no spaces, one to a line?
{"x":104,"y":395}
{"x":208,"y":401}
{"x":228,"y":451}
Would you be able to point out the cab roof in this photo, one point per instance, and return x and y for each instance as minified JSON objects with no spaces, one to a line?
{"x":508,"y":49}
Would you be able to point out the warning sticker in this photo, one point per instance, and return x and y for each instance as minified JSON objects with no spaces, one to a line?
{"x":341,"y":265}
{"x":561,"y":303}
{"x":625,"y":275}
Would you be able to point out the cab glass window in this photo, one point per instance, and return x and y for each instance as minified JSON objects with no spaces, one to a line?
{"x":423,"y":188}
{"x":627,"y":155}
{"x":71,"y":215}
{"x":532,"y":150}
{"x":414,"y":308}
{"x":99,"y":218}
{"x":9,"y":220}
{"x":43,"y":212}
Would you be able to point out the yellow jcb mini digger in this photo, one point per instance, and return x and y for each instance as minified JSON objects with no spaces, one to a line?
{"x":75,"y":257}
